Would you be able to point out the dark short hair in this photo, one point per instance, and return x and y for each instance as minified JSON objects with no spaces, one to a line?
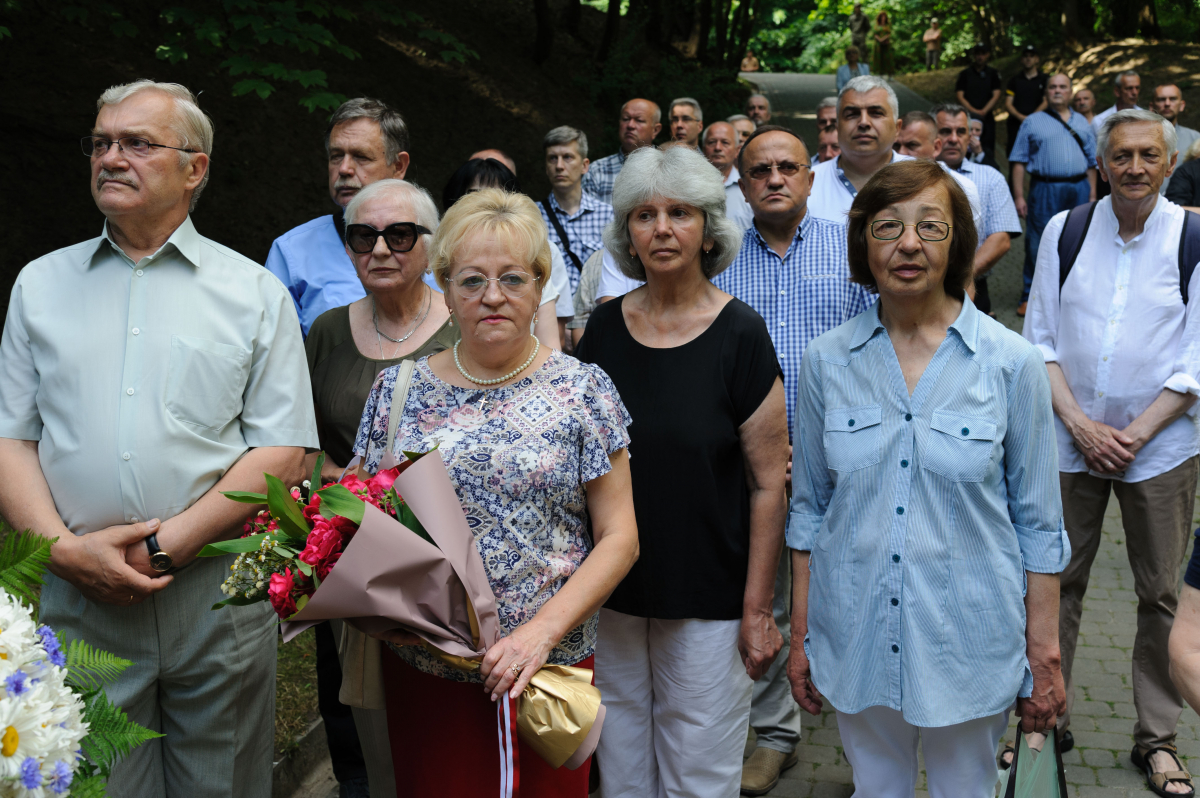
{"x":763,"y":129}
{"x":953,"y":109}
{"x":898,"y":182}
{"x":488,"y":173}
{"x":391,"y":123}
{"x":918,"y":117}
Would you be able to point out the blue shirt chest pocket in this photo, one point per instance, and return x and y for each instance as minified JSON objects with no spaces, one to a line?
{"x":959,"y":447}
{"x":853,"y":437}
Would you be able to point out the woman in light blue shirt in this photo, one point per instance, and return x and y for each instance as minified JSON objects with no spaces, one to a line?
{"x":851,"y":69}
{"x":926,"y":520}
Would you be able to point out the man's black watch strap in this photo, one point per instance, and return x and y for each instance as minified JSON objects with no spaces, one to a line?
{"x":159,"y":559}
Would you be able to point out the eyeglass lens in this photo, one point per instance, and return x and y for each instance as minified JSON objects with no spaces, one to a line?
{"x":399,"y":237}
{"x":513,"y":284}
{"x":891,"y":229}
{"x":787,"y":169}
{"x":97,"y":147}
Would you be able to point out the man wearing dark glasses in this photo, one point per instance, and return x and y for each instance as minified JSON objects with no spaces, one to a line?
{"x":142,"y":373}
{"x":366,"y":140}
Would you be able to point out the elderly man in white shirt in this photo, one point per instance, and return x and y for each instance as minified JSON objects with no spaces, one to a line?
{"x":721,"y":148}
{"x":142,"y":373}
{"x":1122,"y":346}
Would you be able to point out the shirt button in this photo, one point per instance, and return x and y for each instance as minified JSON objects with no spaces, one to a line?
{"x":1106,"y":358}
{"x":783,"y":324}
{"x":904,"y":464}
{"x":895,"y":648}
{"x":129,"y":391}
{"x":782,"y":293}
{"x":133,"y":519}
{"x":139,"y":272}
{"x":895,"y":602}
{"x":136,"y":331}
{"x":1100,"y":394}
{"x":899,"y":511}
{"x":966,"y":431}
{"x":895,"y":558}
{"x":850,"y":422}
{"x":908,"y":416}
{"x":125,"y":456}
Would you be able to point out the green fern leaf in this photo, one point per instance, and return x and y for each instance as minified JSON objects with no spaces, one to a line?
{"x":89,"y":668}
{"x":88,"y":787}
{"x":23,"y":560}
{"x":111,"y":734}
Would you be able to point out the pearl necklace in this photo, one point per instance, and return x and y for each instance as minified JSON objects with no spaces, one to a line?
{"x":536,"y":346}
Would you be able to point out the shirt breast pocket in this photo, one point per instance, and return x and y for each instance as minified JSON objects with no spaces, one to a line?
{"x":853,"y":437}
{"x":205,"y":381}
{"x":959,"y":447}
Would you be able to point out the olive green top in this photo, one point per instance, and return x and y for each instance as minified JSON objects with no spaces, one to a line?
{"x":342,"y":377}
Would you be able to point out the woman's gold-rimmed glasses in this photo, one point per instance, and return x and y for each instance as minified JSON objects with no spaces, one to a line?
{"x":513,"y":284}
{"x":891,"y":229}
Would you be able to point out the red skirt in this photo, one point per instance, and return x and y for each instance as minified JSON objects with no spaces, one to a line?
{"x":445,"y":741}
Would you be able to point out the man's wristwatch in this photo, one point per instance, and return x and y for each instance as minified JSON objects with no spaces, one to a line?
{"x":159,"y":559}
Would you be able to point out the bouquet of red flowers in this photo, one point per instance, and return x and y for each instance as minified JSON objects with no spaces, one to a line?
{"x":290,"y":547}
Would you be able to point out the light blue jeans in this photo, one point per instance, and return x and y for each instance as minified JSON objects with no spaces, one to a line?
{"x":1046,"y":200}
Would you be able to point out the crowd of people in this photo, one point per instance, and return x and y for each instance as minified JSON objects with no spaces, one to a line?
{"x":729,"y":418}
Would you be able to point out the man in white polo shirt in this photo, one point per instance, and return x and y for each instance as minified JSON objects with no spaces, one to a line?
{"x":721,"y":148}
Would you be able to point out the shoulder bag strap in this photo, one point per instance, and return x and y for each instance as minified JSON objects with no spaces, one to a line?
{"x":1189,"y":252}
{"x":562,"y":235}
{"x":1075,"y":228}
{"x":396,"y":407}
{"x":1073,"y":132}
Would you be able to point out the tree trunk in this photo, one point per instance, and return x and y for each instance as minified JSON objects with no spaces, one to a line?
{"x":722,"y":22}
{"x":572,"y":13}
{"x":612,"y":23}
{"x":735,"y":27}
{"x":1070,"y":21}
{"x":1148,"y":20}
{"x":545,"y":31}
{"x":654,"y":24}
{"x":706,"y":14}
{"x":747,"y":29}
{"x":984,"y":31}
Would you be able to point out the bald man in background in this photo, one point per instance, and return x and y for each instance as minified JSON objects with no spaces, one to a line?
{"x":640,"y":122}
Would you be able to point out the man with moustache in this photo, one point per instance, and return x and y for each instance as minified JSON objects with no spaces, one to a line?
{"x":1058,"y":149}
{"x":1168,"y":103}
{"x":721,"y":149}
{"x":142,"y":373}
{"x":792,"y":269}
{"x":1000,"y":221}
{"x":827,"y":145}
{"x":686,"y":120}
{"x":1121,"y":339}
{"x":758,"y":108}
{"x":744,"y":126}
{"x":640,"y":122}
{"x":366,"y":140}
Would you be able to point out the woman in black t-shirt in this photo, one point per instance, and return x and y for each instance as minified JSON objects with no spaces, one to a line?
{"x":685,"y":632}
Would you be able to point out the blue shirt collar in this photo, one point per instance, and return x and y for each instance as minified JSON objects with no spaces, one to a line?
{"x":802,"y":229}
{"x":966,"y":326}
{"x":586,"y":203}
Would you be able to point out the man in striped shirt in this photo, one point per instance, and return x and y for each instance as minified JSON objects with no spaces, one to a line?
{"x":641,"y":121}
{"x":1058,"y":149}
{"x":792,"y":269}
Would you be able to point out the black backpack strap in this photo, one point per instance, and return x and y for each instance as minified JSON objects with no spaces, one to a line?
{"x":1189,"y":252}
{"x":1075,"y":228}
{"x":562,"y":235}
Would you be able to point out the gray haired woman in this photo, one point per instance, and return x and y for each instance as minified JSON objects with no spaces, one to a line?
{"x":690,"y":625}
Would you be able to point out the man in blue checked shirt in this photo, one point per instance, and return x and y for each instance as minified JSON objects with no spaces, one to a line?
{"x":1000,"y":222}
{"x":1058,"y":149}
{"x":792,"y":269}
{"x":366,"y":140}
{"x":578,"y":219}
{"x":640,"y":123}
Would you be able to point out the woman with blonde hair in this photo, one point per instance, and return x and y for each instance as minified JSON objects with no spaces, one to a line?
{"x":535,"y":445}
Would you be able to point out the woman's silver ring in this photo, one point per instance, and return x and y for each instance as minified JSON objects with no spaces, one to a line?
{"x":516,"y":669}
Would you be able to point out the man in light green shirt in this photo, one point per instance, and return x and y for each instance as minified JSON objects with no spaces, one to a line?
{"x":141,"y":373}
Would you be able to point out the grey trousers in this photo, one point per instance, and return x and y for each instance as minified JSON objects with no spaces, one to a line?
{"x":774,"y":714}
{"x":1156,"y":514}
{"x":204,"y":678}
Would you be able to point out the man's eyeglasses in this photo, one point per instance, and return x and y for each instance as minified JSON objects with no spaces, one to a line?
{"x":97,"y":147}
{"x":891,"y":229}
{"x":399,"y":237}
{"x":513,"y":284}
{"x":763,"y":171}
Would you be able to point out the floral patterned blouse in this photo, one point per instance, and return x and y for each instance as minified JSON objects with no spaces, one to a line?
{"x":519,"y":457}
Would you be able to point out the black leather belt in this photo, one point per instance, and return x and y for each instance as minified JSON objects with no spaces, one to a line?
{"x":1072,"y":179}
